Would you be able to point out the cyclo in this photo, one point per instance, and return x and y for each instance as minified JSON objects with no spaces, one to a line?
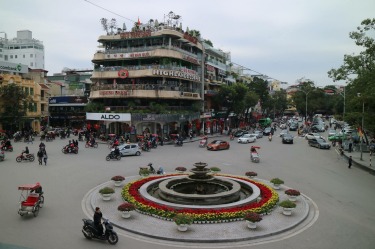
{"x":31,"y":199}
{"x":254,"y":154}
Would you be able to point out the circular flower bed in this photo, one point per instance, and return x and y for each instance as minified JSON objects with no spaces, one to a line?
{"x":269,"y":199}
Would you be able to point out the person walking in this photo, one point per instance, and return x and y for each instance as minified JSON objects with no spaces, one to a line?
{"x":45,"y":157}
{"x":40,"y":155}
{"x":350,"y":162}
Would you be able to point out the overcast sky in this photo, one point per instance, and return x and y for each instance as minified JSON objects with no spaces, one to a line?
{"x":283,"y":39}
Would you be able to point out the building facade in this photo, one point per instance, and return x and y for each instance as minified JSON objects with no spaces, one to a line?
{"x":33,"y":84}
{"x":22,"y":49}
{"x":155,"y":73}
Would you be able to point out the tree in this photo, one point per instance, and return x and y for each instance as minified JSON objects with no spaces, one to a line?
{"x":15,"y":106}
{"x":359,"y":71}
{"x":232,"y":98}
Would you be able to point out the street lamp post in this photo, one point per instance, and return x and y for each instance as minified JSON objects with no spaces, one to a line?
{"x":306,"y":93}
{"x":362,"y":128}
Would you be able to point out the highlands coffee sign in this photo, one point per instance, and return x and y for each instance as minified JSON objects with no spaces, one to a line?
{"x":113,"y":117}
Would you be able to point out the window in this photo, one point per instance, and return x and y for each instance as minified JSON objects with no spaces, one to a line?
{"x":15,"y":56}
{"x":27,"y":90}
{"x":31,"y":55}
{"x":23,"y":56}
{"x":31,"y":64}
{"x":11,"y":57}
{"x":32,"y":91}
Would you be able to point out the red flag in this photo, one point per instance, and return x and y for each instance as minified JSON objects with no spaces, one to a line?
{"x":139,"y":22}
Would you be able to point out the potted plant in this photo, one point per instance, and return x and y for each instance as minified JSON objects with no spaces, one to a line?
{"x":180,"y":169}
{"x":292,"y":194}
{"x":144,"y":172}
{"x":182,"y":221}
{"x":287,"y":206}
{"x":118,"y":180}
{"x":251,"y":219}
{"x":125,"y":209}
{"x":106,"y":193}
{"x":251,"y":174}
{"x":215,"y":170}
{"x":276,"y":183}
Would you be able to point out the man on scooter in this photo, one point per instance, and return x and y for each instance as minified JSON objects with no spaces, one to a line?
{"x":98,"y":221}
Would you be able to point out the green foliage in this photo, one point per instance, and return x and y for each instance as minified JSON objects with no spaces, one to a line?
{"x":94,"y":107}
{"x":16,"y":104}
{"x":358,"y":70}
{"x":106,"y":190}
{"x":277,"y":181}
{"x":287,"y":204}
{"x":181,"y":218}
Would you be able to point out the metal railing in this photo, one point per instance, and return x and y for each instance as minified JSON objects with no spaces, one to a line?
{"x":152,"y":87}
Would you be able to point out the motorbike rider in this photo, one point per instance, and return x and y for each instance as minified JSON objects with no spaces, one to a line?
{"x":98,"y":221}
{"x":92,"y":141}
{"x":26,"y":151}
{"x":116,"y":152}
{"x":150,"y":168}
{"x":270,"y":137}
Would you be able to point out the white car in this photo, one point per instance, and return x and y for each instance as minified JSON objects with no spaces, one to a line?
{"x":247,"y":138}
{"x":129,"y":149}
{"x":283,"y":132}
{"x":309,"y":136}
{"x":331,"y":133}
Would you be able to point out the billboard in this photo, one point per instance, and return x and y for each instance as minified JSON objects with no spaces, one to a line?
{"x":68,"y":100}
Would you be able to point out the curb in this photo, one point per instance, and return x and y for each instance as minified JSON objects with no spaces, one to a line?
{"x":359,"y":164}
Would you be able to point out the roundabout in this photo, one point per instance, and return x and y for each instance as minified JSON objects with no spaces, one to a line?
{"x":219,"y":223}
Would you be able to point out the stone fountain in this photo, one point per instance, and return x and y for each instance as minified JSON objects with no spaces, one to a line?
{"x":200,"y":189}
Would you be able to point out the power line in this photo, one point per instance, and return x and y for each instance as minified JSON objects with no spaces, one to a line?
{"x":109,"y":11}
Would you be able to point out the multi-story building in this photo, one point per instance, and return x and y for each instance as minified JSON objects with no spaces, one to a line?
{"x":22,"y":49}
{"x":153,"y":74}
{"x":32,"y":83}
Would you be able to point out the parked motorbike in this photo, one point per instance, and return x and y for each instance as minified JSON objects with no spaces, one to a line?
{"x":179,"y":142}
{"x":112,"y":156}
{"x":29,"y":157}
{"x":90,"y":232}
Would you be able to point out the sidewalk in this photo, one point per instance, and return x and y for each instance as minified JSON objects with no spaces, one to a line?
{"x":365,"y":163}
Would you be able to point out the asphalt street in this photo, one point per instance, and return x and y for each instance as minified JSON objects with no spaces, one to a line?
{"x":345,"y":197}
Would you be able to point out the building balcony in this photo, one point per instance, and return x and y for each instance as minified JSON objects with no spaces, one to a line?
{"x":144,"y":91}
{"x":146,"y":52}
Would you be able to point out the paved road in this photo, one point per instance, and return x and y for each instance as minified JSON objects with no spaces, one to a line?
{"x":345,"y":197}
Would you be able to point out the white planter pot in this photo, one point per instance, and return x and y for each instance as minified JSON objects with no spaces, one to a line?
{"x":117,"y":183}
{"x":287,"y":211}
{"x":182,"y":227}
{"x":251,"y":225}
{"x":292,"y":197}
{"x":276,"y":186}
{"x":106,"y":197}
{"x":125,"y":214}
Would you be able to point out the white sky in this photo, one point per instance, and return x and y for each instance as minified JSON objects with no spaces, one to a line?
{"x":284,"y":39}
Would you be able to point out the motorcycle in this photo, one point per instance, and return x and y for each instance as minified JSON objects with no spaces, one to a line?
{"x":29,"y":157}
{"x":179,"y":142}
{"x":90,"y":232}
{"x":231,"y":137}
{"x":203,"y":142}
{"x":270,"y":138}
{"x":7,"y":148}
{"x":67,"y":149}
{"x":88,"y":144}
{"x":113,"y":156}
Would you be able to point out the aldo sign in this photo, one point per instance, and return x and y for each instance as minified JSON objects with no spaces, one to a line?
{"x":108,"y":116}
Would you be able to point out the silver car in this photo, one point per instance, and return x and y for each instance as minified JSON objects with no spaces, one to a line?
{"x":247,"y":138}
{"x":129,"y":150}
